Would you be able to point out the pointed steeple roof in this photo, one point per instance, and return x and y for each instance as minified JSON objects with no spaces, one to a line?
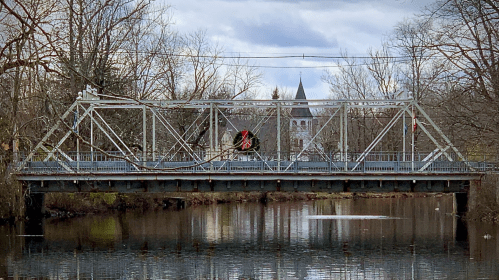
{"x":301,"y":112}
{"x":300,"y":93}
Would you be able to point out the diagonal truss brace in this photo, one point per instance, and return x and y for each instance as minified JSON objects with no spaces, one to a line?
{"x":63,"y":139}
{"x":111,"y":139}
{"x":256,"y":129}
{"x":446,"y":139}
{"x":439,"y":147}
{"x":433,"y":158}
{"x":176,"y":135}
{"x":379,"y":137}
{"x":114,"y":133}
{"x":49,"y":133}
{"x":189,"y":136}
{"x":312,"y":140}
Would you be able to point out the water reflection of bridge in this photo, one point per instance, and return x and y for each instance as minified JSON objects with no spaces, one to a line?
{"x":257,"y":241}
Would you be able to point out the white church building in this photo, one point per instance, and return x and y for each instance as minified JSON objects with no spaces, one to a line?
{"x":302,"y":128}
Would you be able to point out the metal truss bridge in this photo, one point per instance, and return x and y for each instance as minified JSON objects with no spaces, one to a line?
{"x":128,"y":145}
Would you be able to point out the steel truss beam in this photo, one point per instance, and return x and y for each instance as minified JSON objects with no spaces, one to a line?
{"x":215,"y":111}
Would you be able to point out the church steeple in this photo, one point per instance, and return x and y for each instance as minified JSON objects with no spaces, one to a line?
{"x":301,"y":112}
{"x":300,"y":93}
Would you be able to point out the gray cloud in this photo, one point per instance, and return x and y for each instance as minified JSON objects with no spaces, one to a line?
{"x":261,"y":27}
{"x":281,"y":34}
{"x":411,"y":5}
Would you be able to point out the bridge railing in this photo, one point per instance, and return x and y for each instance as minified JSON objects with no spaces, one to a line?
{"x":265,"y":156}
{"x":375,"y":162}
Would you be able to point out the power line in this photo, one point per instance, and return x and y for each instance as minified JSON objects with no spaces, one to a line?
{"x":309,"y":67}
{"x":302,"y":56}
{"x":394,"y":59}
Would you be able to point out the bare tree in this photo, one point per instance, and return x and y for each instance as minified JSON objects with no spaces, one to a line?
{"x":385,"y":72}
{"x":24,"y":60}
{"x":374,"y":78}
{"x":421,"y":68}
{"x":351,"y":80}
{"x":466,"y":34}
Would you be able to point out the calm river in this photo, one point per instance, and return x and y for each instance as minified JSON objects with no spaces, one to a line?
{"x":417,"y":238}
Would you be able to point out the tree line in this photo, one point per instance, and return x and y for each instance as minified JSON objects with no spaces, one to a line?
{"x":50,"y":50}
{"x":446,"y":57}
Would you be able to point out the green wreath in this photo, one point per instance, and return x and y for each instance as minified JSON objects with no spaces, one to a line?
{"x":238,"y":142}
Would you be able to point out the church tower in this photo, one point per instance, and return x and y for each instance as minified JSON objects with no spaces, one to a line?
{"x":301,"y":126}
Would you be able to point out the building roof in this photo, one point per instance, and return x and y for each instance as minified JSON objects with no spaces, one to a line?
{"x":301,"y":112}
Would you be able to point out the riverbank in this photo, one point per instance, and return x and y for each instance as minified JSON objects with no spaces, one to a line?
{"x":485,"y":205}
{"x":11,"y":198}
{"x":76,"y":204}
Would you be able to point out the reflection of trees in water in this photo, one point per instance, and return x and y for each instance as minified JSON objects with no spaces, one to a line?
{"x":257,"y":240}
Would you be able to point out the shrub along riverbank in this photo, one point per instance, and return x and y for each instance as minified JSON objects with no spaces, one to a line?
{"x":12,"y":202}
{"x":485,"y":206}
{"x":11,"y":198}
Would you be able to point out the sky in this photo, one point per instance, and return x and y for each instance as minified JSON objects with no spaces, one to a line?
{"x":296,"y":28}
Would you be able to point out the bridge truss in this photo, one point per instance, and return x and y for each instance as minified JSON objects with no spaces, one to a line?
{"x":114,"y":139}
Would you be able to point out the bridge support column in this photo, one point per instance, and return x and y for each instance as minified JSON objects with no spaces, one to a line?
{"x":493,"y":181}
{"x":472,"y":195}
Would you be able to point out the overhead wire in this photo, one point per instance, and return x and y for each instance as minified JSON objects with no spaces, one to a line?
{"x":394,"y":59}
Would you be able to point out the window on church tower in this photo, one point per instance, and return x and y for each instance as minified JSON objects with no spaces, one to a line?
{"x":302,"y":123}
{"x":294,"y":123}
{"x":301,"y":143}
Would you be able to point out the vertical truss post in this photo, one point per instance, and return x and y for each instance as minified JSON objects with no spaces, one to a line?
{"x":144,"y":134}
{"x":341,"y":134}
{"x":77,"y":128}
{"x":153,"y":137}
{"x":216,"y":127}
{"x":403,"y":137}
{"x":209,"y":156}
{"x":278,"y":136}
{"x":91,"y":133}
{"x":413,"y":134}
{"x":345,"y":134}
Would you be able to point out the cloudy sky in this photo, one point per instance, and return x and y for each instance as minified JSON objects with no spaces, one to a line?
{"x":286,"y":27}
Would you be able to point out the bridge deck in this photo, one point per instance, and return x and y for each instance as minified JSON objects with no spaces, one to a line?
{"x":254,"y":175}
{"x":58,"y":168}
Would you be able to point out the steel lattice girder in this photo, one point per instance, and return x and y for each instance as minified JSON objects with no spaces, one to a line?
{"x":211,"y":112}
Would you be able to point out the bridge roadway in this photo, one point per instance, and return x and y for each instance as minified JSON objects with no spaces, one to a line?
{"x":252,"y":175}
